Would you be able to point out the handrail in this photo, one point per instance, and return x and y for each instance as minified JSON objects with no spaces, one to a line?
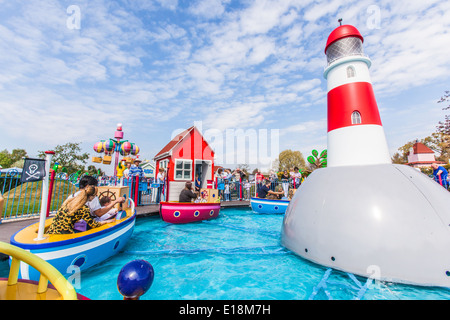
{"x":48,"y":272}
{"x":133,"y":205}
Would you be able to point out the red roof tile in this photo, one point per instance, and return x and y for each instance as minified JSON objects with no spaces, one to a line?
{"x":421,"y":148}
{"x":173,"y":142}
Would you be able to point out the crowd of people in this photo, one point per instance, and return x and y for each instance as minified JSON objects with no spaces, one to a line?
{"x":237,"y":180}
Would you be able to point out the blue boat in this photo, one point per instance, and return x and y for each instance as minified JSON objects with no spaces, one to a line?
{"x":70,"y":253}
{"x":269,"y":206}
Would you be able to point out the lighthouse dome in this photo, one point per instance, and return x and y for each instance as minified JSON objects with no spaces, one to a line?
{"x":345,"y":40}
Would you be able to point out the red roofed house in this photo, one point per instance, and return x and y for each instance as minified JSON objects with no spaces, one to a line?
{"x":186,"y":155}
{"x":421,"y":156}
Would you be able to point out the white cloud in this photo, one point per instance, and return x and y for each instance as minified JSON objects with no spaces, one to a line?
{"x":322,"y":8}
{"x":208,"y":9}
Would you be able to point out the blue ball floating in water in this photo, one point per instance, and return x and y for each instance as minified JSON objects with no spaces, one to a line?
{"x":135,"y":278}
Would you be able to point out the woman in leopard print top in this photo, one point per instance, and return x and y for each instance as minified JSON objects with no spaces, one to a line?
{"x":73,"y":210}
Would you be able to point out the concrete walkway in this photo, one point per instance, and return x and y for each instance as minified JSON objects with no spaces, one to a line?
{"x":10,"y":227}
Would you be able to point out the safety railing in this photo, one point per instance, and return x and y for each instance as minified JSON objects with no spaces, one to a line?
{"x":48,"y":272}
{"x":232,"y":190}
{"x":23,"y":199}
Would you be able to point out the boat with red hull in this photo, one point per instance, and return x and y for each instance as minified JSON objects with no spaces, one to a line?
{"x":186,"y":212}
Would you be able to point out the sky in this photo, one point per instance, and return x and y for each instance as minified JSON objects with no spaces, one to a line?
{"x":72,"y":70}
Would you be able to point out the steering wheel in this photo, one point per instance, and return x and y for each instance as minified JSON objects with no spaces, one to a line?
{"x":107,"y":193}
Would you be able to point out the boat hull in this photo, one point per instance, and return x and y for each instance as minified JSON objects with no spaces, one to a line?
{"x":269,"y":206}
{"x":180,"y":212}
{"x":76,"y":252}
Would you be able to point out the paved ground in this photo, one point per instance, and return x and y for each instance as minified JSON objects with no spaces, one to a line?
{"x":7,"y":229}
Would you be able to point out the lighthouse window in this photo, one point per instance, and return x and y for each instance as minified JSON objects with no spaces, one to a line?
{"x":183,"y":169}
{"x":349,"y":46}
{"x":356,"y":117}
{"x":350,"y":72}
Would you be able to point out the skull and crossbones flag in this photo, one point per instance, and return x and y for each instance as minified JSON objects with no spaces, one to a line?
{"x":33,"y":170}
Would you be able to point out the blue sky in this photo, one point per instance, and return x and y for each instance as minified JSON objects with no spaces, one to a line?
{"x":159,"y":66}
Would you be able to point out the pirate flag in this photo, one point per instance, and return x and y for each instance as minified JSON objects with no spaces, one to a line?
{"x":33,"y":170}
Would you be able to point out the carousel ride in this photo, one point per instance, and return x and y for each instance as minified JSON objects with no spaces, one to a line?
{"x":106,"y":149}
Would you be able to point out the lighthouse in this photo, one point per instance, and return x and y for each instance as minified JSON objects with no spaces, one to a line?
{"x":355,"y":132}
{"x":363,"y":213}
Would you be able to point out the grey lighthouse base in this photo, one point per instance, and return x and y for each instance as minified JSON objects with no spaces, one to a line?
{"x":390,"y":222}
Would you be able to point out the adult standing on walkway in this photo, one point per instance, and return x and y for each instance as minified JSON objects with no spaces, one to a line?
{"x":136,"y":174}
{"x":238,"y":176}
{"x":285,"y":182}
{"x":160,"y":178}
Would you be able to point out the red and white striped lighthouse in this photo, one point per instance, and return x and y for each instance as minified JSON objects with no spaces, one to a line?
{"x":355,"y":132}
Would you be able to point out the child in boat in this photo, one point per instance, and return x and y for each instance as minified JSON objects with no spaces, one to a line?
{"x":104,"y":202}
{"x":74,"y":209}
{"x":291,"y":194}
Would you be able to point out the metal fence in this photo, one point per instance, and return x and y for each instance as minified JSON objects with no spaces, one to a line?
{"x":23,"y":200}
{"x":231,"y":190}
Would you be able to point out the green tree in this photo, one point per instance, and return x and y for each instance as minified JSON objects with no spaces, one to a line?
{"x":8,"y":160}
{"x":288,"y":159}
{"x":444,"y":126}
{"x":69,"y":156}
{"x":439,"y":142}
{"x":93,"y":170}
{"x":397,"y":158}
{"x":442,"y":135}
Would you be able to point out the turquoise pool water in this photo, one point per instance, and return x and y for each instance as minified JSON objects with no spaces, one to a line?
{"x":234,"y":257}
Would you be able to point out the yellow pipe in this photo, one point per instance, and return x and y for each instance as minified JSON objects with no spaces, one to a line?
{"x":13,"y":271}
{"x":43,"y":284}
{"x":47,"y":271}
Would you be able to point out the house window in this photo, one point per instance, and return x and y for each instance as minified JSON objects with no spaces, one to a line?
{"x":183,"y":169}
{"x":350,"y":72}
{"x":356,"y":117}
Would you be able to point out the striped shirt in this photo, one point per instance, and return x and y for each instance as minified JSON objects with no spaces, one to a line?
{"x":136,"y":171}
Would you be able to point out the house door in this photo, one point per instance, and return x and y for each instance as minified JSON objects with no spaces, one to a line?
{"x":203,"y":169}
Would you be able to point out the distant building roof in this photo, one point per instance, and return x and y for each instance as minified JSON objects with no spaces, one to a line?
{"x":421,"y":148}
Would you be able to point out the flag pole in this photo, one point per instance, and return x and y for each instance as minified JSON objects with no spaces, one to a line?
{"x":44,"y":195}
